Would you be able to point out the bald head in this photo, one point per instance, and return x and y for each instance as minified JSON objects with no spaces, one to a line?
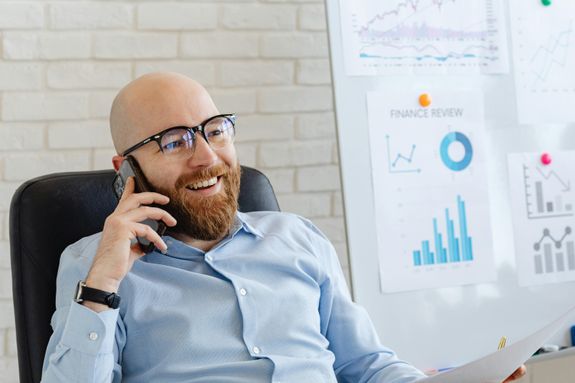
{"x":155,"y":102}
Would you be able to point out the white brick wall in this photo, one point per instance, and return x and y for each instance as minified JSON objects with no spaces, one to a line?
{"x":62,"y":62}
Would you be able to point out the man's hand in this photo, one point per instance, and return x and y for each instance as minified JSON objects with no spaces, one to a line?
{"x":517,"y":374}
{"x":118,"y":249}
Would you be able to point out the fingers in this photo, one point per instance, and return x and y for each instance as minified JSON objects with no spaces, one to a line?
{"x":128,"y":188}
{"x":144,"y":212}
{"x":142,"y":230}
{"x":520,"y":372}
{"x":131,"y":200}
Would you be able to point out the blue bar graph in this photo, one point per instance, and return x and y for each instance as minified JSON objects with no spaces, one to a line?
{"x":456,"y":249}
{"x":417,"y":258}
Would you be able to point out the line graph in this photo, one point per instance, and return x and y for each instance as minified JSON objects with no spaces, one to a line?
{"x":547,"y":234}
{"x":404,"y":34}
{"x":406,"y":160}
{"x":553,"y":54}
{"x":410,"y":5}
{"x":556,"y":256}
{"x":566,"y":184}
{"x":544,"y":57}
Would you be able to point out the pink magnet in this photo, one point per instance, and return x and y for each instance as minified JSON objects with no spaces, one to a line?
{"x":546,"y":158}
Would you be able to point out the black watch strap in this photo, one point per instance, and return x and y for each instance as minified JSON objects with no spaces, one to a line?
{"x":85,"y":293}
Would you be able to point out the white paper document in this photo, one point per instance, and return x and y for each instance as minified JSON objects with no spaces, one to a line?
{"x":543,"y":41}
{"x":430,"y":188}
{"x":543,"y":206}
{"x":496,"y":367}
{"x":423,"y":37}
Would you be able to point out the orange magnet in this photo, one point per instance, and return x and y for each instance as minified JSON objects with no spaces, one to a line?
{"x":425,"y":100}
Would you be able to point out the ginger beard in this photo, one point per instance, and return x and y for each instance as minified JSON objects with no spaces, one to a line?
{"x":205,"y":218}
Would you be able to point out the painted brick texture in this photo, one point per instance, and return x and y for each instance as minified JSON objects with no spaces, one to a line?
{"x":62,"y":62}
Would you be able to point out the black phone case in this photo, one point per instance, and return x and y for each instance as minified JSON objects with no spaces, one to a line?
{"x":129,"y":168}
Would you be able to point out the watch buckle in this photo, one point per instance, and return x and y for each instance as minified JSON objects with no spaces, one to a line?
{"x":78,"y":295}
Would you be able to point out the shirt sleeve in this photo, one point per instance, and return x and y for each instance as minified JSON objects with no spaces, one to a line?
{"x":359,"y":355}
{"x":85,"y":346}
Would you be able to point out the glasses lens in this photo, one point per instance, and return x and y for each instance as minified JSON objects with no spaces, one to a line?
{"x":219,"y":132}
{"x":177,"y":141}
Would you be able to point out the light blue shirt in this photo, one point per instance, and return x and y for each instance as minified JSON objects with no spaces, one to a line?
{"x":269,"y":303}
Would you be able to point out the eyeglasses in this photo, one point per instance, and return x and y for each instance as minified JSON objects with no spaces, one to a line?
{"x":218,"y":131}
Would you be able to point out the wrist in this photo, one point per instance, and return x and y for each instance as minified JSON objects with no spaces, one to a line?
{"x":97,"y":307}
{"x":96,"y":297}
{"x":102,"y":283}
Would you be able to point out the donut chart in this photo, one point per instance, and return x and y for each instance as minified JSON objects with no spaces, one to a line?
{"x":449,"y":139}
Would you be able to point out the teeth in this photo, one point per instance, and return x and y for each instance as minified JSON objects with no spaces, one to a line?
{"x":204,"y":183}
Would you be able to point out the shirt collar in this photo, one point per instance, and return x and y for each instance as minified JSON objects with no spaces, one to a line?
{"x":242,"y":219}
{"x":240,"y":223}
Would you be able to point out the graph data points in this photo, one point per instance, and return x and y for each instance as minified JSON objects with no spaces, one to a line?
{"x":563,"y":259}
{"x":398,"y":162}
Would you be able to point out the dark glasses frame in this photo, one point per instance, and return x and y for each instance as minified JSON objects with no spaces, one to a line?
{"x":198,"y":128}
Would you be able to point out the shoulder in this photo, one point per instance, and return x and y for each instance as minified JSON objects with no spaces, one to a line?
{"x":82,"y":250}
{"x":274,"y":223}
{"x":291,"y":229}
{"x":75,"y":262}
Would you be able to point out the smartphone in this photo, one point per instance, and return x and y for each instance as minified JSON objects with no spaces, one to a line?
{"x":130,"y":168}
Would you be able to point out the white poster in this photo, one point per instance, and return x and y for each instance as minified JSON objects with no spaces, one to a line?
{"x":423,"y":37}
{"x":430,"y":188}
{"x":544,"y":58}
{"x":543,"y":208}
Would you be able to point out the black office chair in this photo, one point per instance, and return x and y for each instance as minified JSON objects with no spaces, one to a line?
{"x":51,"y":212}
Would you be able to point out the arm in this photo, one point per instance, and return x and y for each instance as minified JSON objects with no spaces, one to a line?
{"x":359,"y":355}
{"x":85,"y":346}
{"x":88,"y":338}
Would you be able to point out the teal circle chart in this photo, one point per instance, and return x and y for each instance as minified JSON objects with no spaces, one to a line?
{"x":444,"y":150}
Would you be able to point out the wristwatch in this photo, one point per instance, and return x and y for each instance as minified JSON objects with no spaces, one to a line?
{"x":85,"y":293}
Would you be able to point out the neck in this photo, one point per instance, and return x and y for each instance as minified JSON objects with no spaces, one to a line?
{"x":197,"y":243}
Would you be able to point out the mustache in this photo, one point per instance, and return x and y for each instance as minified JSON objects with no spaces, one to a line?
{"x":202,"y":174}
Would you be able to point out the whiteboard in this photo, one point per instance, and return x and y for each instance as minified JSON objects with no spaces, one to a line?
{"x":448,"y":326}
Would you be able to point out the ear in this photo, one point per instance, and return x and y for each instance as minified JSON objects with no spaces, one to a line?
{"x":117,"y":161}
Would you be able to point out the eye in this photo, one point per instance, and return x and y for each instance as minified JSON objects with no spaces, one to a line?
{"x":218,"y":127}
{"x":176,"y":140}
{"x":173,"y":145}
{"x":215,"y":132}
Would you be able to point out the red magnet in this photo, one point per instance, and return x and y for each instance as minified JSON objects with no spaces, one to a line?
{"x":546,"y":158}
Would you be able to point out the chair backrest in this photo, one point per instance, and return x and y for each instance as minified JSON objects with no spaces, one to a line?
{"x":51,"y":212}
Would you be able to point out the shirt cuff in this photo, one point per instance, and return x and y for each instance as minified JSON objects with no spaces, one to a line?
{"x":90,"y":332}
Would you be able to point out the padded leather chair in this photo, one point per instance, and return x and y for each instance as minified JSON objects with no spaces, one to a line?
{"x":51,"y":212}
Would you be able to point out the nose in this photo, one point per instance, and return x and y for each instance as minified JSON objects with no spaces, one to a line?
{"x":203,"y":155}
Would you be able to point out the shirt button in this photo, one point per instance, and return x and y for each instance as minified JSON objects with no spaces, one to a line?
{"x":208,"y":258}
{"x":256,"y":350}
{"x":93,"y":336}
{"x":243,"y":291}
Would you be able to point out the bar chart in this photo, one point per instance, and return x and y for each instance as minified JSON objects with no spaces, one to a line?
{"x":554,"y":255}
{"x":456,"y":249}
{"x":543,"y":208}
{"x":547,"y":194}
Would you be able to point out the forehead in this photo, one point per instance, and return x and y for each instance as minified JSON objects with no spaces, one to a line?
{"x":161,"y":107}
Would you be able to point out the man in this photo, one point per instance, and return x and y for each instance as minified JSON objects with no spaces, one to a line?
{"x":227,"y":297}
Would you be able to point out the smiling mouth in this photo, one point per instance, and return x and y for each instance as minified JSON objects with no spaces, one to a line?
{"x":203,"y":184}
